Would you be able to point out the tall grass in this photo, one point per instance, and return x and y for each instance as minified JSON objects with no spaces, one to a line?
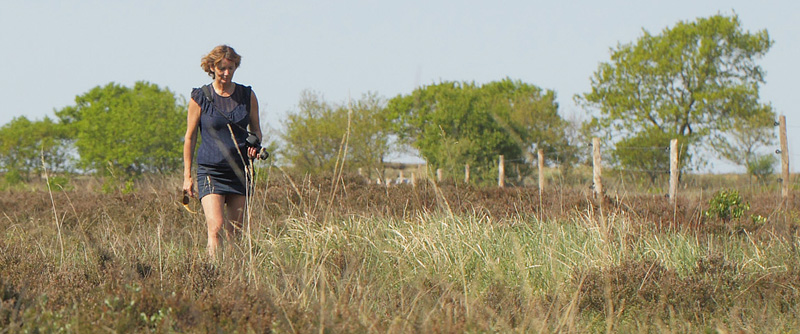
{"x":136,"y":262}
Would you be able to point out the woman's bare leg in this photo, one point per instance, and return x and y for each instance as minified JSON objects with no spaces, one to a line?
{"x":235,"y":213}
{"x":213,"y":206}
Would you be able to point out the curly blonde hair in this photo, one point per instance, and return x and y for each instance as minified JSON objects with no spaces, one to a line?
{"x":210,"y":61}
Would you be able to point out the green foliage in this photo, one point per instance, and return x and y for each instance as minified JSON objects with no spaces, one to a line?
{"x":453,"y":124}
{"x":116,"y":181}
{"x":137,"y":129}
{"x":758,"y":220}
{"x":316,"y":134}
{"x":692,"y":81}
{"x":24,"y":144}
{"x":726,"y":204}
{"x":745,"y":136}
{"x":58,"y":183}
{"x":113,"y":185}
{"x":648,"y":152}
{"x":370,"y":139}
{"x":761,"y":166}
{"x":13,"y":177}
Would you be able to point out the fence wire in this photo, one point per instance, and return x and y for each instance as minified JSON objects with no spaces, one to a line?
{"x":616,"y":177}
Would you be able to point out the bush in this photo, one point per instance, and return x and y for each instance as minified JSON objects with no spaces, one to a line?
{"x":58,"y":183}
{"x":726,"y":204}
{"x":13,"y":177}
{"x":761,"y":167}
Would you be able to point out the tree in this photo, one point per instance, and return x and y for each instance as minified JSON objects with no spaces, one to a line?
{"x":370,"y":140}
{"x":135,"y":130}
{"x":24,"y":144}
{"x":690,"y":82}
{"x":761,"y":166}
{"x":648,"y":152}
{"x":316,"y":134}
{"x":745,"y":135}
{"x":452,"y":124}
{"x":313,"y":134}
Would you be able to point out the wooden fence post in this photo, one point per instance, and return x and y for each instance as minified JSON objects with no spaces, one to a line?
{"x":439,"y":175}
{"x":466,"y":173}
{"x":673,"y":171}
{"x":541,"y":172}
{"x":413,"y":179}
{"x":784,"y":161}
{"x":501,"y":174}
{"x":596,"y":169}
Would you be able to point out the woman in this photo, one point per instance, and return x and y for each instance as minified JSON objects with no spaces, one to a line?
{"x":225,"y":113}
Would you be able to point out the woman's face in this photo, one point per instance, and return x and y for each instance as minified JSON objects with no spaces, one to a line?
{"x":224,"y":71}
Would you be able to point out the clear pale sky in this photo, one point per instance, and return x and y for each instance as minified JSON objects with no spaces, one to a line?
{"x":53,"y":51}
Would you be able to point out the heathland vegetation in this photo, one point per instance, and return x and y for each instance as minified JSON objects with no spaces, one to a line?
{"x":348,"y":256}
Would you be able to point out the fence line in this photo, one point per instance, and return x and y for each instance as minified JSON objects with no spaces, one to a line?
{"x":673,"y":169}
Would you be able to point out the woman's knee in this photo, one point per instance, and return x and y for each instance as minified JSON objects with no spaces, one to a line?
{"x":214,"y":229}
{"x":235,"y":207}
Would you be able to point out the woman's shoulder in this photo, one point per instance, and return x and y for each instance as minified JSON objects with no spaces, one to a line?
{"x":198,"y":93}
{"x":243,"y":87}
{"x":201,"y":87}
{"x":244,"y":90}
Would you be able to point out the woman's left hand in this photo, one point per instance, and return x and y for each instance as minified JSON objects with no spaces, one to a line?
{"x":252,"y":152}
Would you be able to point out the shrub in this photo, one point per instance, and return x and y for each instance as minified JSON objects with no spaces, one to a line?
{"x":13,"y":177}
{"x":761,"y":167}
{"x":726,"y":204}
{"x":58,"y":183}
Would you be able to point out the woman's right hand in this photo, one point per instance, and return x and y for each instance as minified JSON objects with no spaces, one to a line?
{"x":188,"y":187}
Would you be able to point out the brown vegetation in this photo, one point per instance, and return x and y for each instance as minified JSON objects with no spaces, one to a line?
{"x":88,"y":261}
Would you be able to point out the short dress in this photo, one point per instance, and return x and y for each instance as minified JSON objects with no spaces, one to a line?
{"x":222,"y":156}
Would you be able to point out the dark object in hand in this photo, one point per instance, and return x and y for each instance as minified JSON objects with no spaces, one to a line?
{"x":253,"y":141}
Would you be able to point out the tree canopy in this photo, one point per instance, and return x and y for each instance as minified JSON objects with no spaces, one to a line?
{"x":457,"y":123}
{"x":137,"y":129}
{"x":26,"y":144}
{"x":692,"y":81}
{"x":319,"y":134}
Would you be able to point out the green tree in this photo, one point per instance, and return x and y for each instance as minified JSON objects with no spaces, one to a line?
{"x":24,"y":144}
{"x":689,"y":82}
{"x":434,"y":120}
{"x":761,"y":166}
{"x":370,"y":141}
{"x":134,"y":130}
{"x":319,"y":133}
{"x":452,"y":124}
{"x":648,"y":152}
{"x":745,"y":135}
{"x":530,"y":117}
{"x":313,"y":134}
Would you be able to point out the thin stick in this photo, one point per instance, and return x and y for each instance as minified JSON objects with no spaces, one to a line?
{"x":160,"y":263}
{"x":55,"y":214}
{"x":340,"y":159}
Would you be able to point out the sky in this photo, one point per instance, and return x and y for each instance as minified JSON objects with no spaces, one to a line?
{"x":53,"y":51}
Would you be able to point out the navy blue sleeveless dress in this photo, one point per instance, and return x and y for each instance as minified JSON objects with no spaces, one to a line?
{"x":222,"y":156}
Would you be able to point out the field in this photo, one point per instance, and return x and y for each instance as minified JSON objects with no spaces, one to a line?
{"x":351,"y":257}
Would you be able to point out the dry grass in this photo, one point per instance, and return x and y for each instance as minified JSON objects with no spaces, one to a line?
{"x":366,"y":258}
